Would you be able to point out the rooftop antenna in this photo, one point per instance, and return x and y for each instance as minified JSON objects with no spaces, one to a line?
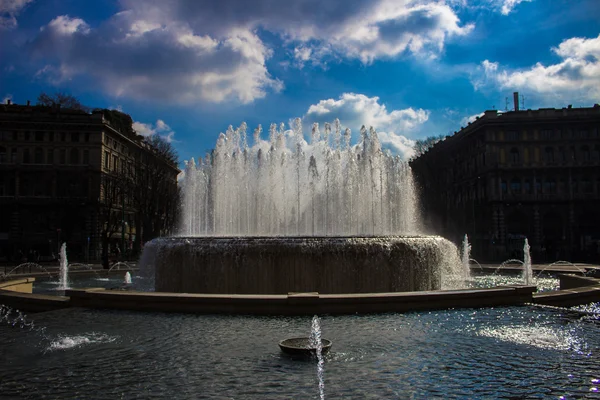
{"x":506,"y":103}
{"x":523,"y":102}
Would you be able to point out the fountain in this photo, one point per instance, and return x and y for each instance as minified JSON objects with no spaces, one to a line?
{"x":63,"y":276}
{"x":127,"y":279}
{"x":466,"y":257}
{"x":321,"y":217}
{"x":527,"y":270}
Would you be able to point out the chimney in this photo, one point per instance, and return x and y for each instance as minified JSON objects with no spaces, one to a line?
{"x":516,"y":100}
{"x":8,"y":101}
{"x":28,"y":102}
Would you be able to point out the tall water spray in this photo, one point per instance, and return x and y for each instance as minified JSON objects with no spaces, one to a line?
{"x":527,"y":269}
{"x":317,"y":344}
{"x":466,"y":257}
{"x":63,"y":275}
{"x":285,"y":186}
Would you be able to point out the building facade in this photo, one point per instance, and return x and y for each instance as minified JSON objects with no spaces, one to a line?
{"x":52,"y":165}
{"x":508,"y":176}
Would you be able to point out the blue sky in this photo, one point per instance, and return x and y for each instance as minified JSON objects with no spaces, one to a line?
{"x":186,"y":69}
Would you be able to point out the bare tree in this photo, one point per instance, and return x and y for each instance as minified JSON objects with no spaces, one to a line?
{"x":422,"y":145}
{"x":61,"y":99}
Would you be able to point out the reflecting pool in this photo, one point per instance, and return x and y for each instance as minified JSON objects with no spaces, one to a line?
{"x":478,"y":353}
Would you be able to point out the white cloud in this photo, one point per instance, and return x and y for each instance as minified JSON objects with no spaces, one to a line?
{"x":129,"y":57}
{"x":471,"y":118}
{"x":189,"y":50}
{"x":355,"y":110}
{"x":509,"y":5}
{"x":9,"y":10}
{"x":159,"y":128}
{"x":575,"y":77}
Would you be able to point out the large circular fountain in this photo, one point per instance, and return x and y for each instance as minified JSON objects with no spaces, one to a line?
{"x":284,"y":216}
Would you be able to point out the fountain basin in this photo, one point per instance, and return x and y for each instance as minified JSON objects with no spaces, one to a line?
{"x":302,"y":346}
{"x":280,"y":265}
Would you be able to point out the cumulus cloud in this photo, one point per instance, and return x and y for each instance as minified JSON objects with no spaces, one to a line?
{"x":355,"y":110}
{"x":189,"y":50}
{"x":9,"y":10}
{"x":575,"y":77}
{"x":147,"y":60}
{"x":363,"y":29}
{"x":159,"y":128}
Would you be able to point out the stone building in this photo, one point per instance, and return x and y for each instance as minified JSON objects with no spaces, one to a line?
{"x":52,"y":162}
{"x":521,"y":174}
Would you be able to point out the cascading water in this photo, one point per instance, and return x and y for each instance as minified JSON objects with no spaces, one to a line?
{"x":324,"y":216}
{"x":127,"y":279}
{"x":287,"y":187}
{"x":63,"y":276}
{"x":466,"y":257}
{"x":316,"y":343}
{"x":527,"y":270}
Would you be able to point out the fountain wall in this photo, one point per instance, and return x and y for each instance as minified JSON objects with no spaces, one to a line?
{"x":267,"y":265}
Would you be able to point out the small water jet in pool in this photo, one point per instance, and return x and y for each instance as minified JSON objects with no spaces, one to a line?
{"x":127,"y":279}
{"x":63,"y":276}
{"x":527,"y":269}
{"x":466,"y":258}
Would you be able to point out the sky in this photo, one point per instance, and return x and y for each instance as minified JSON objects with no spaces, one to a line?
{"x":187,"y":69}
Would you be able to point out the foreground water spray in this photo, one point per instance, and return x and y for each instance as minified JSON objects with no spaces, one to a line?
{"x":316,"y":343}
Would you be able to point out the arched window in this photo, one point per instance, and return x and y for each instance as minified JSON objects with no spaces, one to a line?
{"x":74,"y":156}
{"x":527,"y":186}
{"x":515,"y":186}
{"x":503,"y":186}
{"x":2,"y":155}
{"x":514,"y":155}
{"x":38,"y":155}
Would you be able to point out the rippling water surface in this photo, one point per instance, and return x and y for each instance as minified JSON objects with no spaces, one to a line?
{"x":515,"y":352}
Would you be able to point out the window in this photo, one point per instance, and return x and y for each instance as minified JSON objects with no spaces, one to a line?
{"x":596,"y":153}
{"x":50,"y":156}
{"x":13,"y":155}
{"x":550,"y":185}
{"x":526,"y":186}
{"x":547,"y":134}
{"x":87,"y":137}
{"x":115,"y":166}
{"x":587,"y":185}
{"x":26,"y":159}
{"x":62,"y":156}
{"x":63,"y":136}
{"x":86,"y":157}
{"x":26,"y":135}
{"x":39,"y":136}
{"x":515,"y":186}
{"x":584,"y":134}
{"x":562,"y":154}
{"x":2,"y":155}
{"x":512,"y":135}
{"x":549,"y":155}
{"x":514,"y":155}
{"x":38,"y":155}
{"x":538,"y":185}
{"x":503,"y":187}
{"x":51,"y":136}
{"x":106,"y":160}
{"x":74,"y":157}
{"x":574,"y":185}
{"x":75,"y":137}
{"x":585,"y":151}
